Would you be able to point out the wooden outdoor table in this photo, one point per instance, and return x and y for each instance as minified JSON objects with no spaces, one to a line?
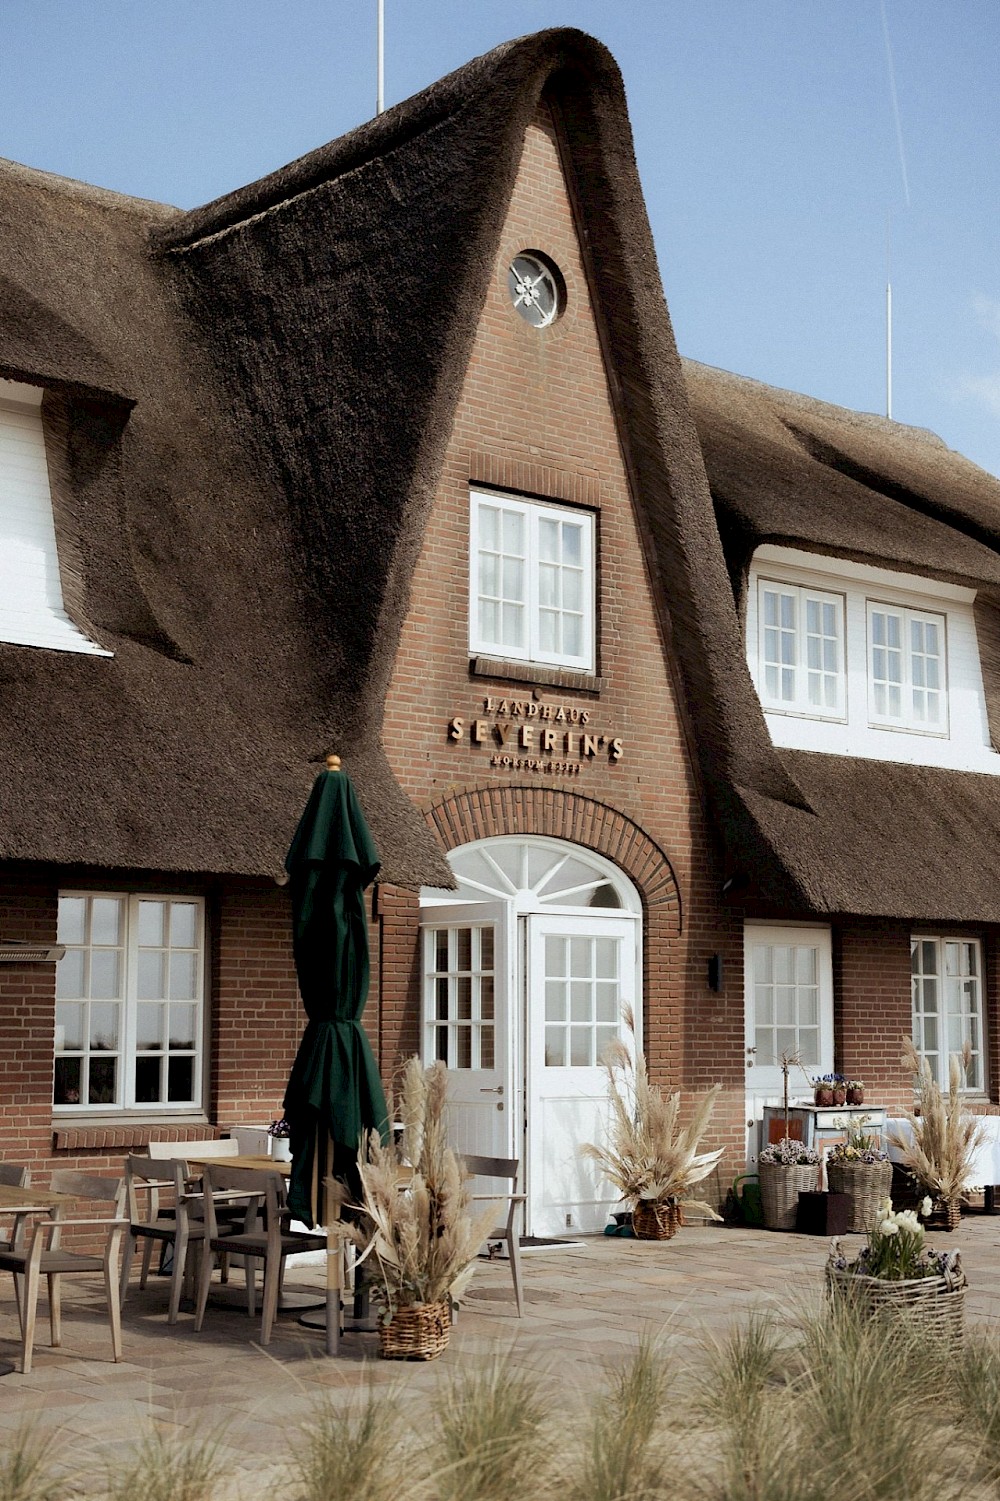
{"x":251,"y":1164}
{"x":32,"y":1200}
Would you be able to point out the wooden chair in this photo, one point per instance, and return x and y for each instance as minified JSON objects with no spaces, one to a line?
{"x":270,"y":1242}
{"x":173,"y":1225}
{"x":44,"y":1254}
{"x":202,"y":1147}
{"x":508,"y":1232}
{"x":13,"y":1175}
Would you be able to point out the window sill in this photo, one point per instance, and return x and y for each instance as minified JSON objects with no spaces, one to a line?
{"x":540,"y":673}
{"x":126,"y":1134}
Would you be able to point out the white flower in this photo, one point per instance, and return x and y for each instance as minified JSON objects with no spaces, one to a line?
{"x":888,"y":1227}
{"x":926,"y":1207}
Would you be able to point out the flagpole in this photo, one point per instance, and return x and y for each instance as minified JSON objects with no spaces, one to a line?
{"x":380,"y":58}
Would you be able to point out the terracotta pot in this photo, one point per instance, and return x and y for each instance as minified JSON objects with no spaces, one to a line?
{"x":824,"y":1097}
{"x":839,"y":1096}
{"x":856,"y":1096}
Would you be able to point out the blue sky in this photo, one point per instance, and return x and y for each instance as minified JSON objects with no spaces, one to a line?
{"x":775,"y":144}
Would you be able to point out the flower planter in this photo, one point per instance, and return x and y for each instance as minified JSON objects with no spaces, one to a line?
{"x":936,"y":1303}
{"x":839,"y":1096}
{"x":780,"y":1186}
{"x":416,"y":1331}
{"x":656,"y":1220}
{"x":281,"y":1149}
{"x":823,"y":1097}
{"x":856,"y":1096}
{"x":865,"y":1183}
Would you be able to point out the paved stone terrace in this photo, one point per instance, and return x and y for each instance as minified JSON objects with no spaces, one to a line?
{"x":584,"y":1307}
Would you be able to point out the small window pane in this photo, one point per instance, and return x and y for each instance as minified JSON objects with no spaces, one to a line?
{"x":486,"y":997}
{"x":147,"y":1080}
{"x":68,"y":1073}
{"x":72,"y":923}
{"x":555,"y":1047}
{"x":579,"y":956}
{"x":106,"y":920}
{"x":605,"y":1037}
{"x":104,"y":1028}
{"x":463,"y":948}
{"x":70,"y":974}
{"x":103,"y":1081}
{"x":151,"y":925}
{"x":581,"y":1047}
{"x":486,"y":1057}
{"x":69,"y":1028}
{"x":180,"y":1079}
{"x":181,"y":1032}
{"x":486,"y":947}
{"x":149,"y":1028}
{"x":463,"y":991}
{"x":463,"y":1039}
{"x":183,"y":925}
{"x":555,"y":1001}
{"x":183,"y":976}
{"x":151,"y":975}
{"x":581,"y":1002}
{"x":607,"y":1002}
{"x":105,"y":974}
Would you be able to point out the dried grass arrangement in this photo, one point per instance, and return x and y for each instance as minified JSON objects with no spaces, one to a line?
{"x":418,"y":1227}
{"x":649,"y":1157}
{"x":939,"y":1157}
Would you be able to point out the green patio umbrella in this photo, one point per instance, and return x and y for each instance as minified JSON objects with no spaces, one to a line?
{"x":334,"y":1092}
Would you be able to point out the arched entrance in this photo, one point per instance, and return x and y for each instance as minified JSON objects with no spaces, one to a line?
{"x":531,"y":968}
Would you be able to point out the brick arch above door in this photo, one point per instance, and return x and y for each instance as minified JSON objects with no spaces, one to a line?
{"x":485,"y":812}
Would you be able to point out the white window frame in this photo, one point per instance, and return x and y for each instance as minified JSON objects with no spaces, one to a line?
{"x":529,"y":648}
{"x":128,"y":1049}
{"x":32,"y":612}
{"x":908,"y":719}
{"x":948,"y":1040}
{"x":799,"y":702}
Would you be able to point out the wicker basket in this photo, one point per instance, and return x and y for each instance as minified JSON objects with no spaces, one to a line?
{"x":656,"y":1219}
{"x":907,"y":1193}
{"x":865,"y":1183}
{"x":780,"y":1186}
{"x":417,"y":1331}
{"x":937,"y":1303}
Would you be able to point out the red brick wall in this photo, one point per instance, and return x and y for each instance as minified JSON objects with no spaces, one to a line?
{"x":536,"y":417}
{"x":27,"y":999}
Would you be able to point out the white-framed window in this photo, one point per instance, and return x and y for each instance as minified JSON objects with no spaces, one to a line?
{"x":801,"y":649}
{"x":851,"y":659}
{"x":906,"y":668}
{"x":461,"y":981}
{"x":531,"y":582}
{"x":130,"y":1002}
{"x":31,"y":602}
{"x":947,"y":993}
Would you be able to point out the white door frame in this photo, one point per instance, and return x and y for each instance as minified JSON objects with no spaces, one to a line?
{"x":764,"y":1082}
{"x":523,"y":902}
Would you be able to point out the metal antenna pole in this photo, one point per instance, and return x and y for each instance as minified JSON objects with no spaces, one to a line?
{"x":380,"y":59}
{"x":888,"y":316}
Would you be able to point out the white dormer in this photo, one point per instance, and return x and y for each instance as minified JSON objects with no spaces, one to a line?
{"x":31,"y":602}
{"x":853,"y":660}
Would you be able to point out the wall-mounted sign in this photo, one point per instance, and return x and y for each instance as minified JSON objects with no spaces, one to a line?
{"x":524,"y":734}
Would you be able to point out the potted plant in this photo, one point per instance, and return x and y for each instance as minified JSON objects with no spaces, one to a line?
{"x":896,"y":1273}
{"x":859,"y":1167}
{"x":830,"y":1089}
{"x":280,"y":1133}
{"x":649,"y":1157}
{"x":786,"y":1168}
{"x":855,"y":1092}
{"x":417,"y":1225}
{"x":937,"y":1158}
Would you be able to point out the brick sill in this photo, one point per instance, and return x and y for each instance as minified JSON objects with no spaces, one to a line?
{"x":533,"y":672}
{"x":126,"y":1136}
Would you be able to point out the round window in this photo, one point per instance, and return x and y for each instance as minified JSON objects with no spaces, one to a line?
{"x":536,"y":289}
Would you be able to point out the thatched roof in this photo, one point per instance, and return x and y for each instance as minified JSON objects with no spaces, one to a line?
{"x":873,"y":837}
{"x":248,"y":406}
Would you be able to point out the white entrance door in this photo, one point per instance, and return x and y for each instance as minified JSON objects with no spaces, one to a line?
{"x":581,"y":976}
{"x":467,"y":989}
{"x":788,"y":1003}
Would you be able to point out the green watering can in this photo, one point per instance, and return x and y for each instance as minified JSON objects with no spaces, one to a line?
{"x":748,"y":1207}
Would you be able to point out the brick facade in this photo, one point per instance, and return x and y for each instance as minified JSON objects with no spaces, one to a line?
{"x":536,"y":417}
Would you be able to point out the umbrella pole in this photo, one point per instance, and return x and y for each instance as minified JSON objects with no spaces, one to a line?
{"x":334,"y":1257}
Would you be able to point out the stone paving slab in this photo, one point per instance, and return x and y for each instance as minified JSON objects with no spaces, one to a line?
{"x":585,"y":1307}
